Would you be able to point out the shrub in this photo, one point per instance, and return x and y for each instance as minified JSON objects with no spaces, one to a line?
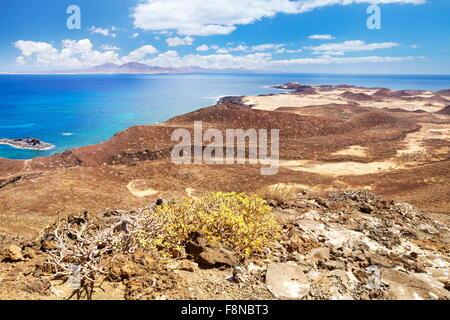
{"x":280,"y":193}
{"x":239,"y":222}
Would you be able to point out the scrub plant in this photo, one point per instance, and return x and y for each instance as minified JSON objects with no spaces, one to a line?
{"x":239,"y":222}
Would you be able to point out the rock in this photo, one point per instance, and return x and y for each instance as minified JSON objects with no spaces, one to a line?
{"x":189,"y":266}
{"x":240,"y":275}
{"x":367,"y":208}
{"x":29,"y":253}
{"x":410,"y":286}
{"x":332,"y":265}
{"x":319,"y":255}
{"x":381,"y":261}
{"x":208,"y":255}
{"x":427,"y":229}
{"x":216,"y":257}
{"x":12,"y":253}
{"x":311,"y":215}
{"x":40,"y":286}
{"x":287,"y":281}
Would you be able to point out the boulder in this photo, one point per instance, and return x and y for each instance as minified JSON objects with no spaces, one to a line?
{"x":216,"y":257}
{"x":12,"y":253}
{"x":208,"y":255}
{"x":287,"y":281}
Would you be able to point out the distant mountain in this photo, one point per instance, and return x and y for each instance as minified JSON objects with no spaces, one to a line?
{"x":140,"y":68}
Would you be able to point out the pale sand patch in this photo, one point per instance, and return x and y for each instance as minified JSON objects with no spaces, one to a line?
{"x":139,"y":188}
{"x":291,"y":100}
{"x":340,"y":168}
{"x":414,"y":140}
{"x":337,"y":185}
{"x":271,"y":103}
{"x":357,"y":151}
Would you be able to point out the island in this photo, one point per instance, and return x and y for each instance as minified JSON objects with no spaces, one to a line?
{"x":28,"y":143}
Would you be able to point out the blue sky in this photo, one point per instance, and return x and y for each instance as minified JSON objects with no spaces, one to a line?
{"x":266,"y":35}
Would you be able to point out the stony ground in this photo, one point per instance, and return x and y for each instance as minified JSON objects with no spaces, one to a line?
{"x":340,"y":245}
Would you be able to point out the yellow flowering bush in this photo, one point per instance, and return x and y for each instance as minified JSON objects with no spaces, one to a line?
{"x":240,"y":222}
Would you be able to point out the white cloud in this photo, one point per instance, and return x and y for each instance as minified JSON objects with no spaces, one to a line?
{"x":349,"y":46}
{"x":220,"y":61}
{"x":139,"y":54}
{"x":20,"y":60}
{"x":322,"y":37}
{"x":284,"y":50}
{"x":222,"y":51}
{"x":266,"y":47}
{"x":108,"y":47}
{"x":134,"y":35}
{"x":30,"y":47}
{"x":81,"y":54}
{"x":176,"y":41}
{"x":245,"y":48}
{"x":334,"y":60}
{"x":240,"y":47}
{"x":203,"y":18}
{"x":203,"y":47}
{"x":259,"y":61}
{"x":104,"y":32}
{"x":74,"y":54}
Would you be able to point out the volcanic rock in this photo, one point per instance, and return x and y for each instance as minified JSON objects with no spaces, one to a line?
{"x":11,"y":254}
{"x":287,"y":281}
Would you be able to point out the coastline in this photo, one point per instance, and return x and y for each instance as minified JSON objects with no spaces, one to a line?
{"x":17,"y":146}
{"x":299,"y":98}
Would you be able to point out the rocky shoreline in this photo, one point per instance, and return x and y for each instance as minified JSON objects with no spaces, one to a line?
{"x":28,"y":143}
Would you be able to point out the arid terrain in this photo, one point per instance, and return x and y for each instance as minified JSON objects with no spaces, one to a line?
{"x":334,"y":140}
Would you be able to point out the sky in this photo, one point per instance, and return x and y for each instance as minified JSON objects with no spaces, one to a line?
{"x":302,"y":36}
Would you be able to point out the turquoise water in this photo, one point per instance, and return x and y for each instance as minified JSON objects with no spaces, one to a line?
{"x":70,"y":111}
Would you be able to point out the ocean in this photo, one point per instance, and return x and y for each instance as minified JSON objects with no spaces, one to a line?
{"x":70,"y":111}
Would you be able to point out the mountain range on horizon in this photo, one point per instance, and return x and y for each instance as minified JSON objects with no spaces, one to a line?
{"x":138,"y":68}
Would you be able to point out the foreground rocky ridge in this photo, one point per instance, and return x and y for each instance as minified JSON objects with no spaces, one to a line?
{"x":339,"y":245}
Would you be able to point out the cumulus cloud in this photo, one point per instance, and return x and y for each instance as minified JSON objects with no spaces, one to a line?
{"x":104,"y":32}
{"x":204,"y":18}
{"x":258,"y":61}
{"x":140,"y":54}
{"x":74,"y":54}
{"x":349,"y":46}
{"x":322,"y":37}
{"x":30,"y":47}
{"x":134,"y":35}
{"x":176,"y":41}
{"x":81,"y":54}
{"x":203,"y":47}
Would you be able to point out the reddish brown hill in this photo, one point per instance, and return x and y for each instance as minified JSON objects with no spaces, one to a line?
{"x":357,"y":96}
{"x":444,"y":92}
{"x":445,"y":111}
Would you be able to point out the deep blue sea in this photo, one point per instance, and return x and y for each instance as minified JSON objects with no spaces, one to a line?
{"x":70,"y":111}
